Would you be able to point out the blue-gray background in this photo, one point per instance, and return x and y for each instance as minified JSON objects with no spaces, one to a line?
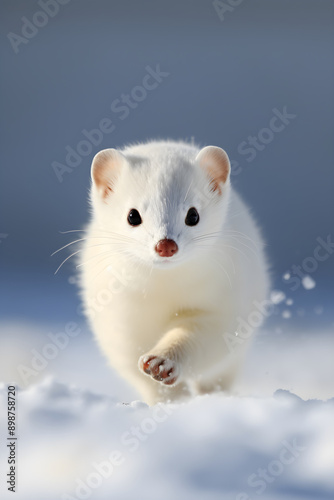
{"x":225,"y":78}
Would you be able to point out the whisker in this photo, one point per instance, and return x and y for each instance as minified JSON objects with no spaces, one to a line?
{"x":229,"y":256}
{"x":226,"y":273}
{"x":237,"y":213}
{"x":228,"y":246}
{"x":95,"y":234}
{"x":249,"y":248}
{"x":110,"y":252}
{"x":188,"y":191}
{"x":205,"y":237}
{"x":129,"y":258}
{"x":236,"y":248}
{"x":213,"y":234}
{"x":93,"y":257}
{"x":229,"y":234}
{"x":65,"y":260}
{"x":73,"y":231}
{"x":112,"y":242}
{"x":241,"y":235}
{"x":219,"y":264}
{"x":65,"y":246}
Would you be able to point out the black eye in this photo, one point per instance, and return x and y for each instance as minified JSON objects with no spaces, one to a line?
{"x":192,"y":217}
{"x":134,"y":218}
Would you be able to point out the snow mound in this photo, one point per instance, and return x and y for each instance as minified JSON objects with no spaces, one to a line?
{"x":75,"y":444}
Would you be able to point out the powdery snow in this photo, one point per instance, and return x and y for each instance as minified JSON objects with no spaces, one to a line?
{"x":277,"y":296}
{"x":77,"y":439}
{"x":308,"y":282}
{"x":77,"y":444}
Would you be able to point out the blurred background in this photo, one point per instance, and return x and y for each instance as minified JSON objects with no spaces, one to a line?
{"x":225,"y":73}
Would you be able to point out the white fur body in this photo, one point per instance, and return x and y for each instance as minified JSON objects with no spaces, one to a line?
{"x":176,"y":311}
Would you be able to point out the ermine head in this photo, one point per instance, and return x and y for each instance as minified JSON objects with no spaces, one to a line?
{"x":164,"y":205}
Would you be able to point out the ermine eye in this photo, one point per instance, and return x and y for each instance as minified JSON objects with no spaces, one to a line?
{"x":192,"y":217}
{"x":134,"y":218}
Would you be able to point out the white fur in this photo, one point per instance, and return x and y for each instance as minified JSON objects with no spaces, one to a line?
{"x":180,"y":308}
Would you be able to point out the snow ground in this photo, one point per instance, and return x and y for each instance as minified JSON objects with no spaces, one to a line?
{"x":78,"y":436}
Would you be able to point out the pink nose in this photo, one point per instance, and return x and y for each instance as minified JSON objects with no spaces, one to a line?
{"x":166,"y":248}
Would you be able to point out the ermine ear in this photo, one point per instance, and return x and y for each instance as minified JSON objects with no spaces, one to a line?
{"x":215,"y":162}
{"x":105,"y":168}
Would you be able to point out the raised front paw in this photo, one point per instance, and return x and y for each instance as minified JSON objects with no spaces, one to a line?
{"x":161,"y":369}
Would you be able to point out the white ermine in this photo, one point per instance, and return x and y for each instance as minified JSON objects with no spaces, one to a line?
{"x":172,"y":265}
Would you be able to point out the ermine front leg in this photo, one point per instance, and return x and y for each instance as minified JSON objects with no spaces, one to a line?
{"x":185,"y":352}
{"x":165,"y":362}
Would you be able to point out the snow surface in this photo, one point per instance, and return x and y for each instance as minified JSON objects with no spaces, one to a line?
{"x":82,"y":433}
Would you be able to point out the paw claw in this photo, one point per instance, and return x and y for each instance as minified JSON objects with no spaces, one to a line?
{"x":160,"y":369}
{"x":145,"y":361}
